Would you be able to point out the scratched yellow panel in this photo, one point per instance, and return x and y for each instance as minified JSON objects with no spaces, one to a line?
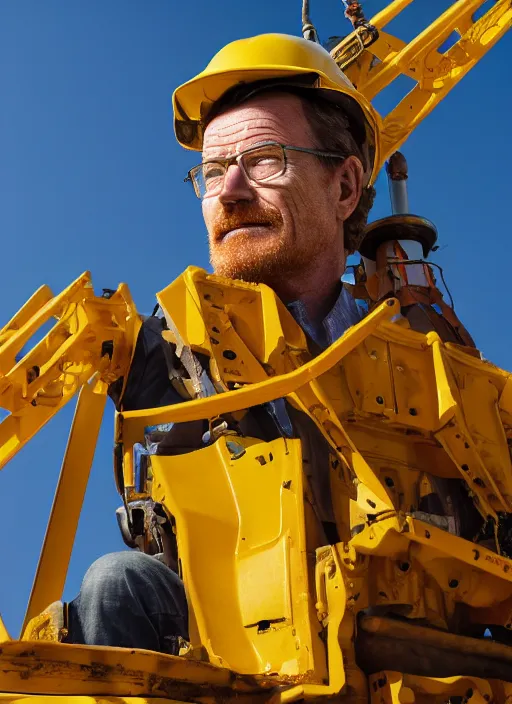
{"x":479,"y":394}
{"x":415,"y":386}
{"x":368,"y":376}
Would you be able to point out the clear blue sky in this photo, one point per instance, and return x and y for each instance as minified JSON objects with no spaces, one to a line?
{"x":91,"y":178}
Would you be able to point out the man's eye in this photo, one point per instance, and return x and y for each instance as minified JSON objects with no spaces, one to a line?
{"x":267,"y":160}
{"x":212,"y":171}
{"x":262,"y":166}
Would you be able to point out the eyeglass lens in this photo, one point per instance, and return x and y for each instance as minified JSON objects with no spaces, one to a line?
{"x":259,"y":164}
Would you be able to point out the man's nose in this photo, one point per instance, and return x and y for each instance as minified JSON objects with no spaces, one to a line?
{"x":236,"y":186}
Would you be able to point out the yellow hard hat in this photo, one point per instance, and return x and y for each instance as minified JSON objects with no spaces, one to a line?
{"x":270,"y":57}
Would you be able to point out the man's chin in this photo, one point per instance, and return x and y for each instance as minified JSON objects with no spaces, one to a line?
{"x":256,"y":260}
{"x":261,"y":270}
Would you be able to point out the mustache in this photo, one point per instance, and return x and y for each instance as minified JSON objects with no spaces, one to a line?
{"x":242,"y":216}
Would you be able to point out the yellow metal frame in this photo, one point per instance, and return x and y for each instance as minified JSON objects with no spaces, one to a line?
{"x":359,"y":393}
{"x":91,"y":335}
{"x":392,"y":404}
{"x":435,"y":73}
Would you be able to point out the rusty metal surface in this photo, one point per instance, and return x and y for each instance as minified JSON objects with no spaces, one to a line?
{"x":61,"y":669}
{"x":382,"y":642}
{"x":44,"y":699}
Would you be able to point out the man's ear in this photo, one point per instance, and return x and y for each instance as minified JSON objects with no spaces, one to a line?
{"x":350,"y":174}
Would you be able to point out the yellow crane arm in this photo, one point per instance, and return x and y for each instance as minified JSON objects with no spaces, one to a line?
{"x":372,"y":69}
{"x":92,"y":334}
{"x":89,"y":346}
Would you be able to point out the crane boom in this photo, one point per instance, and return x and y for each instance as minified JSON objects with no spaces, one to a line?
{"x":373,"y":68}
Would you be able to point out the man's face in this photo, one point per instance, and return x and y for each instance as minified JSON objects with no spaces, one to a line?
{"x":262,"y":232}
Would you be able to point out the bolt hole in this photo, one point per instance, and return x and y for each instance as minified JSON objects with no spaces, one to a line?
{"x":464,"y":467}
{"x":379,"y":400}
{"x":427,"y":534}
{"x":389,"y":482}
{"x":263,"y":626}
{"x":229,"y":354}
{"x":214,"y":329}
{"x":33,"y":373}
{"x":371,"y":503}
{"x":403,"y":566}
{"x":453,"y":583}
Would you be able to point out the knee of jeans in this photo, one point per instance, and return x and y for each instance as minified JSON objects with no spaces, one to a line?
{"x":114,"y":569}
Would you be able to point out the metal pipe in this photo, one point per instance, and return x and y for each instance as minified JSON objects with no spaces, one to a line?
{"x":308,"y":28}
{"x":396,"y":169}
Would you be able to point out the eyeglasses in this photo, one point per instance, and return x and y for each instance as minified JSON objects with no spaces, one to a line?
{"x":259,"y":164}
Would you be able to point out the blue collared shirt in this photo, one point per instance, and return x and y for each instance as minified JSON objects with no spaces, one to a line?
{"x":342,"y":316}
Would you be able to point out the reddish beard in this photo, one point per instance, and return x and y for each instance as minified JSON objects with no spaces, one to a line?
{"x":244,"y":256}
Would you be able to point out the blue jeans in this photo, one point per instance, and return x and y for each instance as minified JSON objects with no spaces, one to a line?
{"x":129,"y":600}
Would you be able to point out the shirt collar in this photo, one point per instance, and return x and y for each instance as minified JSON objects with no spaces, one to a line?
{"x":342,"y":316}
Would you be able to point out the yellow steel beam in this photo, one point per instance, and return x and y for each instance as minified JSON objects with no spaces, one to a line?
{"x":34,"y":303}
{"x":435,"y":73}
{"x":389,"y":13}
{"x":46,"y":377}
{"x":69,"y":495}
{"x":264,"y":391}
{"x":4,"y":634}
{"x":80,"y":670}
